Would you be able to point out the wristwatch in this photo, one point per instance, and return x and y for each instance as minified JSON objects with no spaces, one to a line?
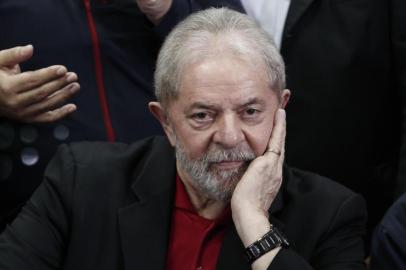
{"x":272,"y":239}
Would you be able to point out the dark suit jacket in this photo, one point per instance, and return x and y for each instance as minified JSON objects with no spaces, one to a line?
{"x":108,"y":206}
{"x":346,"y":67}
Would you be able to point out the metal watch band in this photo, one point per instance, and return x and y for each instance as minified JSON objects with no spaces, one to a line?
{"x":272,"y":239}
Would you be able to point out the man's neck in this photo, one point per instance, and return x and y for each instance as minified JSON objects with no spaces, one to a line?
{"x":205,"y":207}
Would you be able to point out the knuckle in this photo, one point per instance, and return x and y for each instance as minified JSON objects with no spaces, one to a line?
{"x":64,"y":95}
{"x":15,"y":52}
{"x":62,"y":92}
{"x":5,"y":86}
{"x":60,"y":83}
{"x":39,"y":107}
{"x":51,"y":116}
{"x":42,"y":93}
{"x":46,"y":73}
{"x":30,"y":78}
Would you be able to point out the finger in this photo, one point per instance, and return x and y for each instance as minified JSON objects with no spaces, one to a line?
{"x":277,"y":141}
{"x":14,"y":69}
{"x":54,"y":115}
{"x":16,"y":55}
{"x":53,"y":101}
{"x":283,"y":141}
{"x":38,"y":94}
{"x":31,"y":79}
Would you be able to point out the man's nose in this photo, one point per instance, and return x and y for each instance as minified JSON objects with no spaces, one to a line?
{"x":228,"y":132}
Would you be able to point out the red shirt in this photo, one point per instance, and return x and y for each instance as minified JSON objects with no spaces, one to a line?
{"x":194,"y":241}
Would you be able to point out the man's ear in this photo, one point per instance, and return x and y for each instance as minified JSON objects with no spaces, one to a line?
{"x":285,"y":98}
{"x":161,"y":115}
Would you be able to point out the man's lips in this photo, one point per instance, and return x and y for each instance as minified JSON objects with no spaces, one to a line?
{"x":228,"y":164}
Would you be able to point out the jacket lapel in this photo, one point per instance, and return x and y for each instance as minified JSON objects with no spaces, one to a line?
{"x":232,"y":254}
{"x":145,"y":224}
{"x":296,"y":10}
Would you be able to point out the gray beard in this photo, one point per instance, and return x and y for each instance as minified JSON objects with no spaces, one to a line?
{"x":216,"y":184}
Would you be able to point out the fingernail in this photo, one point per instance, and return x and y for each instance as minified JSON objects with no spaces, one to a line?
{"x":71,"y":107}
{"x":71,"y":77}
{"x":61,"y":70}
{"x":25,"y":51}
{"x":74,"y":87}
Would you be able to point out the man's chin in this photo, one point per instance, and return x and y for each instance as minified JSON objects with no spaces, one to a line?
{"x":228,"y":176}
{"x":229,"y":167}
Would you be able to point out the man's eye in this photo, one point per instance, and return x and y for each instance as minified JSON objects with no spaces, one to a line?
{"x":251,"y":111}
{"x":201,"y":120}
{"x":251,"y":114}
{"x":200,"y":116}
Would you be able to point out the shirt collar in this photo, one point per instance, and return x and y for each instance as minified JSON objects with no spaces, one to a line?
{"x":182,"y":201}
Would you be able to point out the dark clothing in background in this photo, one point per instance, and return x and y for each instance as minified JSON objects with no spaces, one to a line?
{"x":389,"y":241}
{"x":109,"y":206}
{"x":346,"y":67}
{"x":112,"y":47}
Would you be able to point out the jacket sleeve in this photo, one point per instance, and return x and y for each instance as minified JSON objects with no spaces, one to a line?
{"x":180,"y":9}
{"x":341,"y":246}
{"x":38,"y":236}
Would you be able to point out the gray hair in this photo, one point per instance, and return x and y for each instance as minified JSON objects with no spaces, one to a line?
{"x":209,"y":33}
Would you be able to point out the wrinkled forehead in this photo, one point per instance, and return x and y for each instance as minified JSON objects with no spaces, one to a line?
{"x":233,"y":44}
{"x":225,"y":81}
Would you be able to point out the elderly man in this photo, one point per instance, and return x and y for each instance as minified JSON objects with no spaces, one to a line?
{"x":211,"y":195}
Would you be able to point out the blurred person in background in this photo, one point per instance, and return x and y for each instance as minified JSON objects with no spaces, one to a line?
{"x":346,"y":64}
{"x":110,"y":45}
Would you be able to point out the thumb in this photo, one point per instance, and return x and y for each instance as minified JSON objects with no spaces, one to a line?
{"x":16,"y":55}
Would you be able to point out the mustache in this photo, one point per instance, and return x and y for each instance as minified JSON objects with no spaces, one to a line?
{"x":216,"y":154}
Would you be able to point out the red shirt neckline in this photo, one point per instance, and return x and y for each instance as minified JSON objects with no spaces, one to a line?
{"x":195,"y":241}
{"x":182,"y":201}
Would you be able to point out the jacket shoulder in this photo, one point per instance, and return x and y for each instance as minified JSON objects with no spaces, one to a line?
{"x":324,"y":220}
{"x":106,"y":164}
{"x":325,"y":205}
{"x":302,"y":184}
{"x":98,"y":151}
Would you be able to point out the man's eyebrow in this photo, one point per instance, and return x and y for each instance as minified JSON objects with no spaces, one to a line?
{"x":201,"y":105}
{"x":214,"y":106}
{"x":252,"y":101}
